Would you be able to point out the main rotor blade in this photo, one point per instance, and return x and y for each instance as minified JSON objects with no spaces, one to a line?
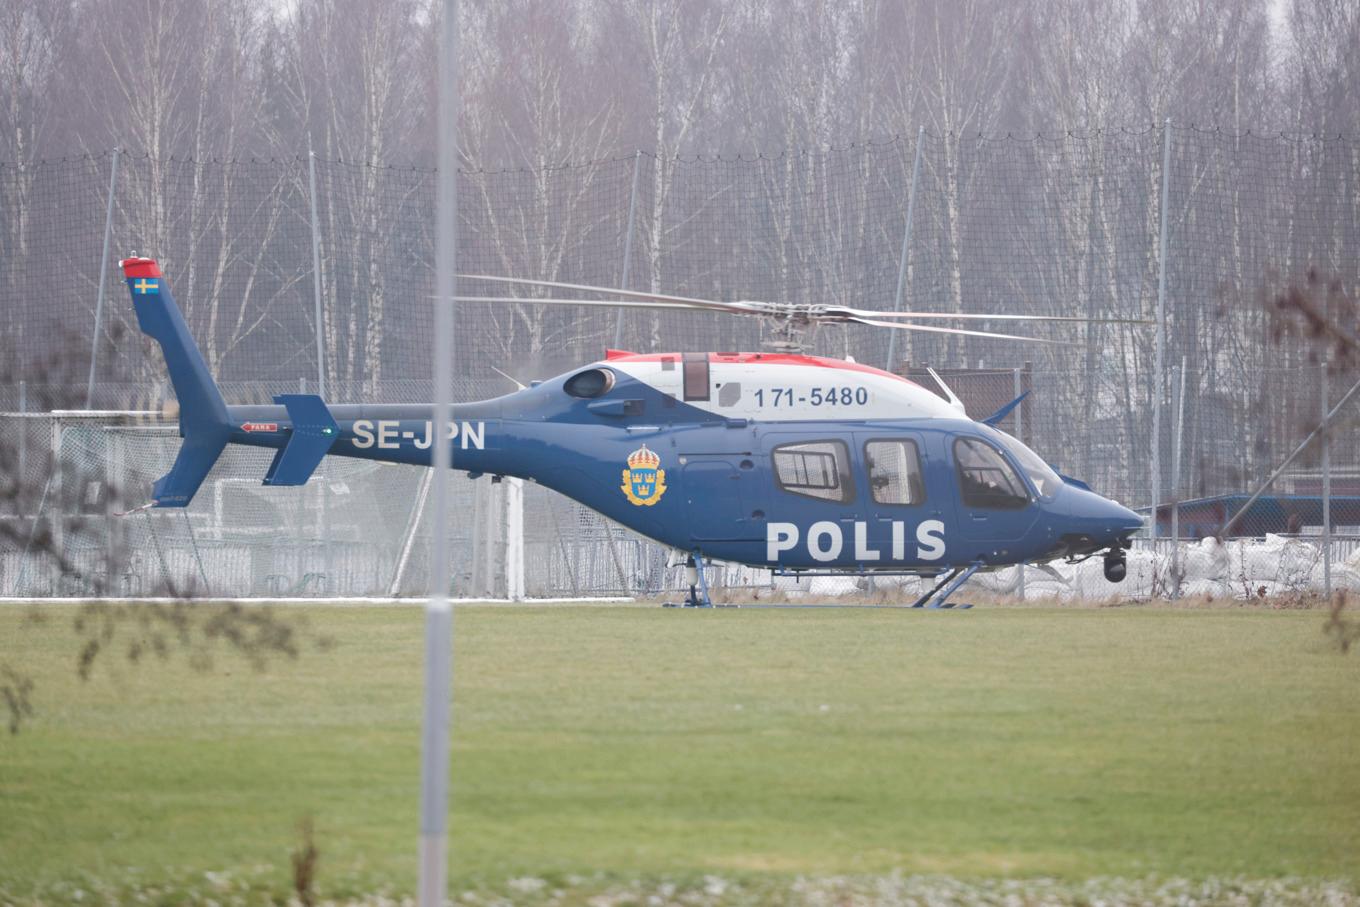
{"x":973,"y":316}
{"x":934,"y":330}
{"x":615,"y":291}
{"x":611,"y":303}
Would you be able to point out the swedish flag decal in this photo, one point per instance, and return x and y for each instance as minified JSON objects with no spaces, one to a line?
{"x":144,"y":286}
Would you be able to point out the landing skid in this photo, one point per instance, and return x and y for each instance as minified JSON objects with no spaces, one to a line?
{"x":937,"y":599}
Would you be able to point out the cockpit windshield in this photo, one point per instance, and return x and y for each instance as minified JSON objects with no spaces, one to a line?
{"x":1045,"y":480}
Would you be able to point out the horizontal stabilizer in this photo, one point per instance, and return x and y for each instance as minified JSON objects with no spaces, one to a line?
{"x":1078,"y":483}
{"x":314,"y":431}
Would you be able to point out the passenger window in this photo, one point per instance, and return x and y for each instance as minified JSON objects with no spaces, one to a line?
{"x":894,"y":469}
{"x":986,"y":479}
{"x":815,"y":469}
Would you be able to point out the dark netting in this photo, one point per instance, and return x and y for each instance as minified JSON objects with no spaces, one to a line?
{"x":376,"y":229}
{"x":51,"y":230}
{"x":566,"y":225}
{"x":1068,"y":224}
{"x":799,"y":227}
{"x":233,"y":241}
{"x":1250,"y":217}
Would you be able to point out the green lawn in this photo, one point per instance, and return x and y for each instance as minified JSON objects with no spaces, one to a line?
{"x":625,"y":743}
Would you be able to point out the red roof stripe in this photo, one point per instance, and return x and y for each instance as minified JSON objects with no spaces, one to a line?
{"x":760,"y":359}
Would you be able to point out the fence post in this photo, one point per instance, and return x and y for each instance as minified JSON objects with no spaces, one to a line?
{"x":58,"y":527}
{"x":906,"y":246}
{"x":1019,"y":434}
{"x":23,"y":434}
{"x":1326,"y":494}
{"x":625,"y":587}
{"x":316,"y":272}
{"x":1158,"y":385}
{"x":1176,"y":487}
{"x":330,"y":584}
{"x":514,"y":538}
{"x":627,"y":248}
{"x":322,"y":520}
{"x":103,"y":277}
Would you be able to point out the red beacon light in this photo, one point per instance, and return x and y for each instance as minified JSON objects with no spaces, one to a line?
{"x":133,"y":266}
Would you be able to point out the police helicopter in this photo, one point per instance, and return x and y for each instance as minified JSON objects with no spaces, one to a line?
{"x":803,"y":464}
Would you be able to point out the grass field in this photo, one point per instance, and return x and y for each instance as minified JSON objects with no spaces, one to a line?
{"x":598,"y":745}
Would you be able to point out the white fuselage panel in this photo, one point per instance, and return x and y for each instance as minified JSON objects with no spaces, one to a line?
{"x":778,"y":390}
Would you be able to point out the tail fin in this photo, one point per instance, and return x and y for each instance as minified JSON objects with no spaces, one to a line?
{"x":203,"y":419}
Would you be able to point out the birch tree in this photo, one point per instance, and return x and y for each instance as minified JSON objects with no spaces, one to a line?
{"x":31,"y":41}
{"x":353,"y":74}
{"x":820,"y":79}
{"x":672,"y":54}
{"x":963,"y":61}
{"x":177,"y":84}
{"x":534,"y":108}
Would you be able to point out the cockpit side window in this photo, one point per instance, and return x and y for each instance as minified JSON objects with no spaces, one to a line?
{"x":986,"y":480}
{"x":815,"y":469}
{"x":1045,"y":480}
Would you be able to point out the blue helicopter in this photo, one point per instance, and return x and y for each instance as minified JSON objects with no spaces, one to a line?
{"x":803,"y":464}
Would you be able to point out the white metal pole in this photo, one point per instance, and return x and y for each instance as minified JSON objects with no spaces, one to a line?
{"x":1159,"y":366}
{"x":103,"y":277}
{"x":906,"y":245}
{"x":1020,"y":434}
{"x":434,"y":755}
{"x":627,"y":247}
{"x":1176,"y":487}
{"x":1326,"y":494}
{"x":316,"y":272}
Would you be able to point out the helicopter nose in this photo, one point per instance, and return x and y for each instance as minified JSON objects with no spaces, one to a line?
{"x":1121,"y":519}
{"x":1098,"y":518}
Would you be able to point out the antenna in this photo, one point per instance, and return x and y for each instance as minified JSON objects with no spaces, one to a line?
{"x":954,"y":400}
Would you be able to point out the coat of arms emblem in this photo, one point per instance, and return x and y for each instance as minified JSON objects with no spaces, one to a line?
{"x":643,"y":482}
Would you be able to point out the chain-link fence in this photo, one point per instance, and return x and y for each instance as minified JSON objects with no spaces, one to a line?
{"x":1197,"y":231}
